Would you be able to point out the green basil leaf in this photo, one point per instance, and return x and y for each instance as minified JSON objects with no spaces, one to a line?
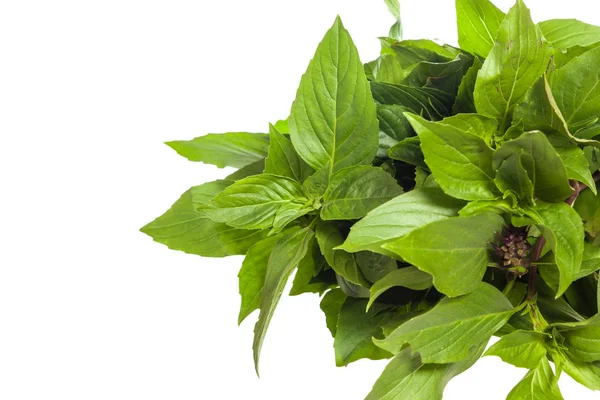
{"x":423,"y":101}
{"x":409,"y":277}
{"x":331,"y":304}
{"x":588,"y":374}
{"x":343,"y":263}
{"x":519,"y":57}
{"x":252,"y":275}
{"x":521,"y":348}
{"x":289,"y":212}
{"x":233,"y":149}
{"x":185,"y":228}
{"x":311,"y":266}
{"x":398,"y":217}
{"x":576,"y":87}
{"x":447,"y":332}
{"x":576,"y":164}
{"x":406,"y":377}
{"x":445,"y":76}
{"x":394,"y":8}
{"x":283,"y":159}
{"x":478,"y":24}
{"x":355,"y":330}
{"x":511,"y":177}
{"x":542,"y":163}
{"x":584,"y":342}
{"x":355,"y":191}
{"x":333,"y":118}
{"x":252,"y":202}
{"x":375,"y":266}
{"x":393,"y":123}
{"x":454,"y":250}
{"x":286,"y":255}
{"x":563,"y":230}
{"x":539,"y":383}
{"x":460,"y":162}
{"x":256,"y":168}
{"x":566,"y":33}
{"x":464,"y":102}
{"x":409,"y":151}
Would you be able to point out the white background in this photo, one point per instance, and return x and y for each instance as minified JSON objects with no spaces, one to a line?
{"x":89,"y":307}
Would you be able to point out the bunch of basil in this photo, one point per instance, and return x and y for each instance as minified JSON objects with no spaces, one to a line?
{"x":436,"y":196}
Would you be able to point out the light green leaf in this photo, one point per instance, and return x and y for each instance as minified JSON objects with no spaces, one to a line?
{"x":355,"y":330}
{"x":584,"y":342}
{"x":447,"y":332}
{"x":460,"y":161}
{"x":542,"y":163}
{"x":519,"y":57}
{"x":588,"y":374}
{"x":331,"y":304}
{"x":333,"y":118}
{"x":233,"y":149}
{"x":521,"y":348}
{"x":409,"y":277}
{"x":576,"y":88}
{"x":396,"y":29}
{"x":576,"y":164}
{"x":400,"y":216}
{"x":511,"y":177}
{"x":354,"y":191}
{"x":252,"y":275}
{"x":539,"y":384}
{"x":464,"y":102}
{"x":283,"y":159}
{"x":343,"y":263}
{"x":256,"y":168}
{"x":252,"y":202}
{"x":478,"y":23}
{"x":563,"y":230}
{"x":289,"y":212}
{"x":590,"y":262}
{"x":454,"y":250}
{"x":185,"y":228}
{"x":406,"y":377}
{"x":286,"y":255}
{"x":566,"y":33}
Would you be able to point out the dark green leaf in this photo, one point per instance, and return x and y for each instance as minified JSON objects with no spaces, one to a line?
{"x":355,"y":330}
{"x":409,"y":277}
{"x":374,"y":266}
{"x":256,"y":168}
{"x":584,"y":342}
{"x":311,"y":265}
{"x":454,"y":250}
{"x":423,"y":101}
{"x":331,"y":304}
{"x":233,"y":149}
{"x":464,"y":102}
{"x":409,"y":151}
{"x":511,"y":177}
{"x":445,"y":76}
{"x":343,"y":263}
{"x":393,"y":123}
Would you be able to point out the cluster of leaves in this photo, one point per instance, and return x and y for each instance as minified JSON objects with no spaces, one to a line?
{"x":435,"y":197}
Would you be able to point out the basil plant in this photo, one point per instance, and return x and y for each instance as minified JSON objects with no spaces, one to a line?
{"x":434,"y":197}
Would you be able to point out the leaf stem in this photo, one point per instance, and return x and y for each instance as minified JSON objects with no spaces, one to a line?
{"x":512,"y":279}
